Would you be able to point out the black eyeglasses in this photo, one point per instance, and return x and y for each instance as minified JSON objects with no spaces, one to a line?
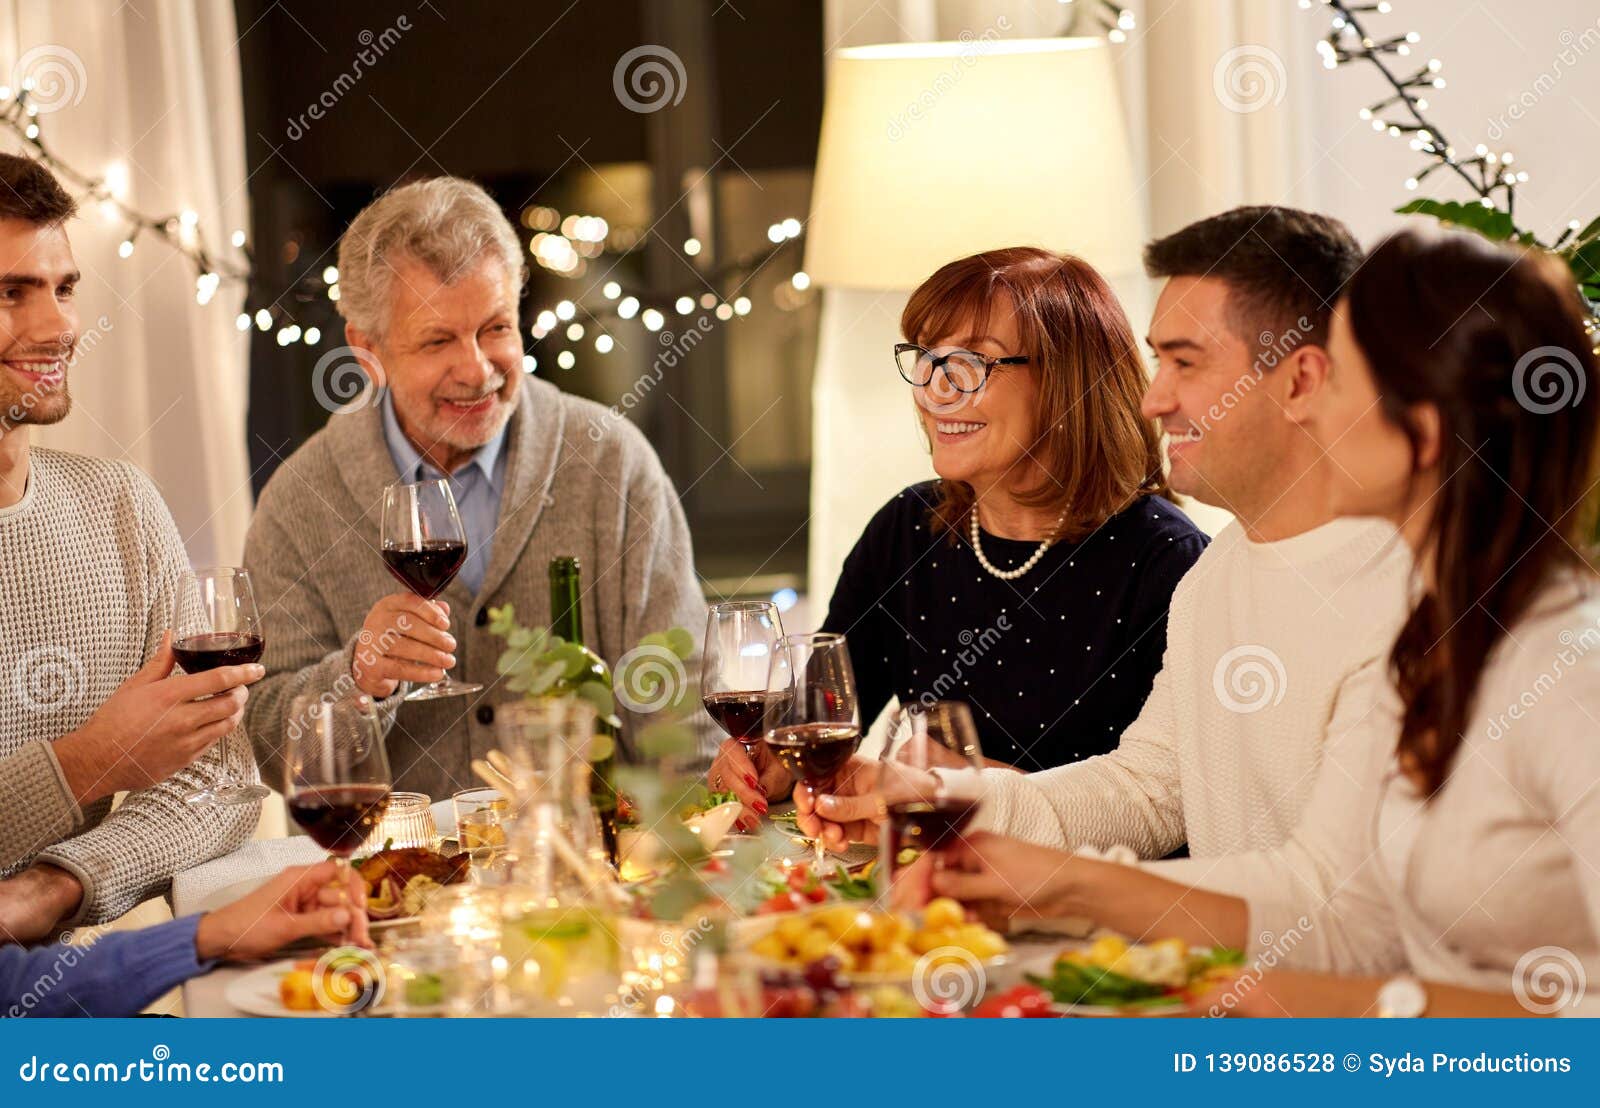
{"x":966,"y":370}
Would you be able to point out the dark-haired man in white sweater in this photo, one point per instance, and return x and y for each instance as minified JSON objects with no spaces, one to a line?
{"x":89,"y":707}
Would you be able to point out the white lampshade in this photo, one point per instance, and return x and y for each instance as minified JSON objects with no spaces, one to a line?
{"x":932,"y":151}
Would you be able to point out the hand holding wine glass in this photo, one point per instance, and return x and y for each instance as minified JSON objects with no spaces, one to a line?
{"x":152,"y":726}
{"x":215,"y":626}
{"x":425,"y":546}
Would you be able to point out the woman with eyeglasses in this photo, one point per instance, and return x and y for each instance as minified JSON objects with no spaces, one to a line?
{"x":1453,"y":833}
{"x":1032,"y":579}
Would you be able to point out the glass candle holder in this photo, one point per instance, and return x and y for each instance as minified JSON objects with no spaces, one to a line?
{"x":407,"y":822}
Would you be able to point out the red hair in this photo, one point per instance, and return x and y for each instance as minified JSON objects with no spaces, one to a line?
{"x":1097,"y":452}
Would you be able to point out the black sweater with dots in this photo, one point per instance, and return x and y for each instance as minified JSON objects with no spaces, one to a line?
{"x":1054,"y":664}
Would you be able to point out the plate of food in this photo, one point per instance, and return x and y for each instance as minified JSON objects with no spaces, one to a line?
{"x":1112,"y":977}
{"x":399,"y":881}
{"x":859,"y":945}
{"x":324,"y":988}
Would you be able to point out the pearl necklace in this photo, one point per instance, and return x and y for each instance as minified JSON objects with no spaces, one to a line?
{"x":1010,"y":574}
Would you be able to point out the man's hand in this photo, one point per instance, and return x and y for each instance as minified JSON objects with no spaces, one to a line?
{"x":858,"y":800}
{"x":754,"y":781}
{"x":326,"y":900}
{"x":35,"y":901}
{"x":153,"y":726}
{"x":404,"y":638}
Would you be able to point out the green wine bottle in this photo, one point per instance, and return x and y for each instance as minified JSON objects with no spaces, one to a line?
{"x":566,"y":621}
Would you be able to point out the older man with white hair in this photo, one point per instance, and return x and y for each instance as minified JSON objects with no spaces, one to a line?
{"x":430,"y":275}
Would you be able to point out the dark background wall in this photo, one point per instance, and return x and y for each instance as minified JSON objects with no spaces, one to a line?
{"x":520,"y":96}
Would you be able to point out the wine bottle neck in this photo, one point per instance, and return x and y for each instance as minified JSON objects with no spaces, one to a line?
{"x":566,"y":599}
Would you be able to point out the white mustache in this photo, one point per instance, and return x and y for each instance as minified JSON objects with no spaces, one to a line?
{"x":493,"y":389}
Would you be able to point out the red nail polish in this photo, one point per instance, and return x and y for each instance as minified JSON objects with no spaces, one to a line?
{"x":760,"y":806}
{"x":750,"y":779}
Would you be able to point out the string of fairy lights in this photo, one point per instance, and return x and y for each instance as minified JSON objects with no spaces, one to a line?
{"x":1488,"y":173}
{"x":563,"y":245}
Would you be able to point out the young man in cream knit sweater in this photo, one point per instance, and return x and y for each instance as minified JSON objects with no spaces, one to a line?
{"x":1279,"y":613}
{"x":88,"y":706}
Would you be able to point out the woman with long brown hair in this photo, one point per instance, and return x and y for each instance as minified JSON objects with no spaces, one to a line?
{"x":1032,"y":578}
{"x":1454,"y":832}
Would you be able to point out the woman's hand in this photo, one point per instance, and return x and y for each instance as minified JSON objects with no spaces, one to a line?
{"x":754,"y":780}
{"x":327,"y":900}
{"x":1002,"y":878}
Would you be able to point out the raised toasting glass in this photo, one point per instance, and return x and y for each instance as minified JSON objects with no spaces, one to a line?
{"x":934,"y":735}
{"x":812,"y":722}
{"x":336,"y":773}
{"x":214,"y":623}
{"x":740,"y":636}
{"x":424,"y":546}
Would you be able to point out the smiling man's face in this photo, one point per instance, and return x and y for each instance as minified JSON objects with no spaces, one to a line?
{"x":451,"y":356}
{"x":38,"y":322}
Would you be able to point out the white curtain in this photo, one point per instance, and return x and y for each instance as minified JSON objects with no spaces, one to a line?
{"x":148,"y":92}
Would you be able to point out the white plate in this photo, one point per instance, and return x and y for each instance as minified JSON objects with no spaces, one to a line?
{"x":256,"y":993}
{"x":1042,"y":965}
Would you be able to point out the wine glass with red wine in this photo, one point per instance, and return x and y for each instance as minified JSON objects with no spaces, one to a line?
{"x":934,"y":735}
{"x":424,"y":546}
{"x":740,"y":635}
{"x":214,"y":623}
{"x":336,"y":773}
{"x":812,"y":722}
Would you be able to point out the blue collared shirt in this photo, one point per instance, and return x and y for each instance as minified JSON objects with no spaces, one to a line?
{"x":476,"y":487}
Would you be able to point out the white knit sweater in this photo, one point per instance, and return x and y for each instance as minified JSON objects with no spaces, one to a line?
{"x":1495,"y":882}
{"x":92,"y":560}
{"x":1260,"y":639}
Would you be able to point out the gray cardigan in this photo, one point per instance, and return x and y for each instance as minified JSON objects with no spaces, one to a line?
{"x":579,"y":481}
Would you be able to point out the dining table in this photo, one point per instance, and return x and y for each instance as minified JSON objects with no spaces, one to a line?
{"x":222,"y":880}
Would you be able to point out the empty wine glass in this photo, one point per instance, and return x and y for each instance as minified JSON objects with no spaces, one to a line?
{"x":425,"y":546}
{"x":214,"y":623}
{"x":813,"y":724}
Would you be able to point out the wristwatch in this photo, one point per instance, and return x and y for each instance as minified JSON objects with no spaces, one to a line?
{"x":1402,"y":997}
